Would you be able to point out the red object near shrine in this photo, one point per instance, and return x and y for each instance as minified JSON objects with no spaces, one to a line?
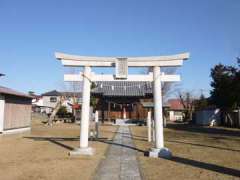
{"x":76,"y":106}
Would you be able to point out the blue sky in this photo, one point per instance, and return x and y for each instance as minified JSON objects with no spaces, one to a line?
{"x":31,"y":31}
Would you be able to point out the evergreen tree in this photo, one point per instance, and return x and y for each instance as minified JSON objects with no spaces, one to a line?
{"x":201,"y":103}
{"x":226,"y":86}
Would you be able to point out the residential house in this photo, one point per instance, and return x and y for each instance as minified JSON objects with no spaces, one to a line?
{"x":175,"y":110}
{"x":48,"y":101}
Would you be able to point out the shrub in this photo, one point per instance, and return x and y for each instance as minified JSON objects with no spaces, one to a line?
{"x":62,"y":112}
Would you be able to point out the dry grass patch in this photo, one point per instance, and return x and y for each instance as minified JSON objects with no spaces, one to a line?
{"x":199,"y":153}
{"x":43,"y":153}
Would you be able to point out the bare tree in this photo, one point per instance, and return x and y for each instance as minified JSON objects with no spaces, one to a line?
{"x":55,"y":110}
{"x":187,"y":100}
{"x":168,"y":88}
{"x":74,"y":87}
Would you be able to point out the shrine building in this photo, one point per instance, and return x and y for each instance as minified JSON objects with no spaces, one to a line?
{"x":122,"y":99}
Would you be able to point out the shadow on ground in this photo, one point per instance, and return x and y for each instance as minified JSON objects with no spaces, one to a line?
{"x":144,"y":137}
{"x":120,"y":145}
{"x":205,"y":130}
{"x":203,"y":165}
{"x":207,"y":166}
{"x":190,"y":162}
{"x":59,"y":140}
{"x":203,"y":145}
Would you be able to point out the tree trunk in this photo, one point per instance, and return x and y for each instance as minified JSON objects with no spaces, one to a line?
{"x":54,"y":112}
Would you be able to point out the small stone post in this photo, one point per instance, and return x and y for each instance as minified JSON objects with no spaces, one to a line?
{"x":124,"y":113}
{"x":149,"y":125}
{"x":96,"y":125}
{"x":153,"y":131}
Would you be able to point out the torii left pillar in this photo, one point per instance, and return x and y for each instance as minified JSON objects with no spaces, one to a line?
{"x":84,"y":149}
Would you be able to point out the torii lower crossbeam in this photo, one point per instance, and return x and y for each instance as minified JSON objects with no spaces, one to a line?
{"x":99,"y":77}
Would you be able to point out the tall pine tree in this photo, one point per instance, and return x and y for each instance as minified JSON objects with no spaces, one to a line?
{"x":225,"y":84}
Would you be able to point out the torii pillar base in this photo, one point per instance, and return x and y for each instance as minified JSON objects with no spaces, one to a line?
{"x":162,"y":153}
{"x":82,"y":152}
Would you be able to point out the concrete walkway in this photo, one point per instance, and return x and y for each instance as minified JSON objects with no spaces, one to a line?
{"x":121,"y":161}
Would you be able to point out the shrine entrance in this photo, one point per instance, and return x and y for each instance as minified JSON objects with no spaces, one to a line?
{"x":120,"y":108}
{"x":121,"y":66}
{"x":122,"y":99}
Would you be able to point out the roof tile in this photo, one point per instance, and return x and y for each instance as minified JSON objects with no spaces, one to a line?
{"x":123,"y":88}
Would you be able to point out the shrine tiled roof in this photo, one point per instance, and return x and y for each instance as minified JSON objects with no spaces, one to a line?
{"x":123,"y":88}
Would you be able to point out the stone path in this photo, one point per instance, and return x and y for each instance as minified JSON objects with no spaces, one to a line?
{"x":121,"y":161}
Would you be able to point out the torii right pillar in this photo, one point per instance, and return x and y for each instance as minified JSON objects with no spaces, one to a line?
{"x":159,"y":150}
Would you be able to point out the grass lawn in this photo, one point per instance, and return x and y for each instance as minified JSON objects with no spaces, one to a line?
{"x":43,"y":153}
{"x":199,"y":153}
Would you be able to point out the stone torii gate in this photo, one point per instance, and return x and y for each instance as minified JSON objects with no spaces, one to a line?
{"x":122,"y":65}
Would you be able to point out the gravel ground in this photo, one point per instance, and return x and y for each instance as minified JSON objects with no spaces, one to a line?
{"x":43,"y":153}
{"x":198,"y":153}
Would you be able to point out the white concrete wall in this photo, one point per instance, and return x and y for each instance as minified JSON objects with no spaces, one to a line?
{"x":2,"y":104}
{"x":171,"y":116}
{"x":207,"y":117}
{"x":175,"y":117}
{"x":37,"y":102}
{"x":47,"y":103}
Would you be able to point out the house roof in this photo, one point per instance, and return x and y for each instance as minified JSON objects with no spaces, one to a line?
{"x":8,"y":91}
{"x":175,"y":104}
{"x":57,"y":93}
{"x":123,"y":88}
{"x":52,"y":93}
